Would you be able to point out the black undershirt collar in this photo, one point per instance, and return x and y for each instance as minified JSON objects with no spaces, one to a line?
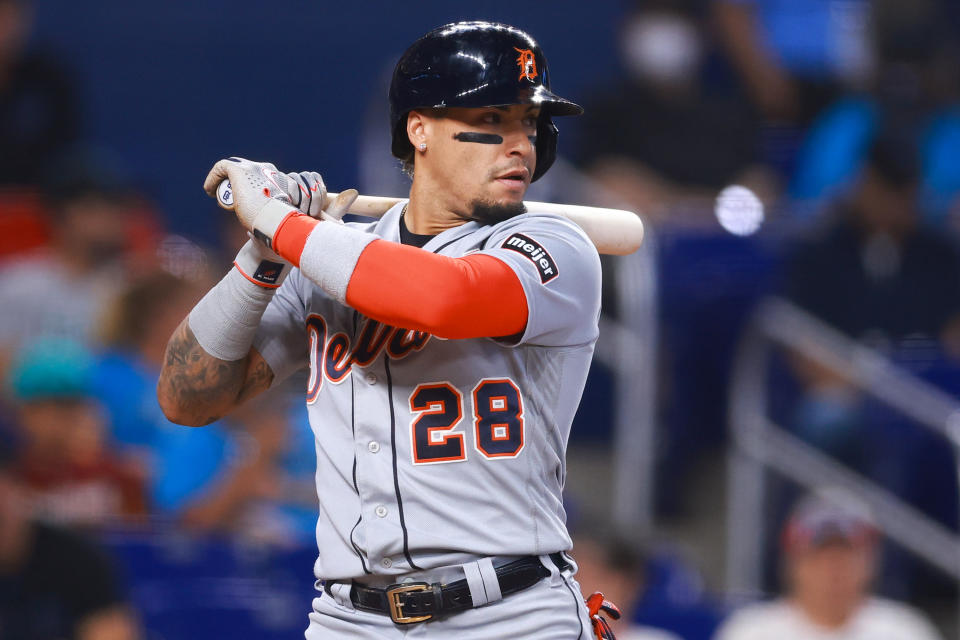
{"x":411,"y":238}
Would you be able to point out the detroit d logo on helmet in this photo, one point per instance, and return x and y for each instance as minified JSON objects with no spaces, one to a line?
{"x":527,"y":64}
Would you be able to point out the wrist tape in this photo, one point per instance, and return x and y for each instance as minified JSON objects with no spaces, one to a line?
{"x":226,"y":319}
{"x":326,"y":252}
{"x":270,"y":218}
{"x":261,"y":266}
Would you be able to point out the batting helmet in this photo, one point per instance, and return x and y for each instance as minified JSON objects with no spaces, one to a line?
{"x":476,"y":64}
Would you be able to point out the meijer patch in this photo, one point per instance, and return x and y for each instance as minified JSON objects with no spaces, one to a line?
{"x":539,"y":256}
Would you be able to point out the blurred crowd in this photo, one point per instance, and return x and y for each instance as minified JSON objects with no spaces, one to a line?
{"x":841,"y":119}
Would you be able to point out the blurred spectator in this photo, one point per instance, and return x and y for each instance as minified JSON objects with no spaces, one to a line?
{"x":795,"y":56}
{"x":661,"y":595}
{"x":829,"y":545}
{"x":879,"y":276}
{"x":915,"y":91}
{"x":660,"y":139}
{"x":616,"y":568}
{"x":39,"y":112}
{"x":53,"y":582}
{"x":251,"y":474}
{"x":65,"y":464}
{"x":61,"y":290}
{"x":135,"y":331}
{"x":233,"y":476}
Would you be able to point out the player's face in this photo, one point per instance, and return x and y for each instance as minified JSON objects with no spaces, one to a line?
{"x":476,"y":167}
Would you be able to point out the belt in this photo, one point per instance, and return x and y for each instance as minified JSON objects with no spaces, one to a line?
{"x":413,"y":602}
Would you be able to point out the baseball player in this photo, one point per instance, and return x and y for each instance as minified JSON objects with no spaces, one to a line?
{"x":447,"y":345}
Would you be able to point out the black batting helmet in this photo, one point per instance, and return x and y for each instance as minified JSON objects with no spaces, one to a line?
{"x":476,"y":64}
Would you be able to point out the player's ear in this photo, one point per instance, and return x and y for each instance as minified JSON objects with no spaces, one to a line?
{"x":417,"y":127}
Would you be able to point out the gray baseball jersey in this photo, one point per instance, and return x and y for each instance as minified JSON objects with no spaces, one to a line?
{"x":434,"y":452}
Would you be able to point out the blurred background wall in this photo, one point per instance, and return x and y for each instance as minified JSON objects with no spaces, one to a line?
{"x":792,"y":324}
{"x":175,"y":87}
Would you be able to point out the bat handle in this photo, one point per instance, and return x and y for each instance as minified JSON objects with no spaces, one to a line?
{"x":225,"y":195}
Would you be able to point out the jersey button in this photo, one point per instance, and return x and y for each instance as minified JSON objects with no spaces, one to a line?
{"x":386,"y":563}
{"x":371,"y":378}
{"x":373,"y":446}
{"x":381,"y":511}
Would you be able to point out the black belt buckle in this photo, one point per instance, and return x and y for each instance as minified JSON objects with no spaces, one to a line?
{"x":395,"y":593}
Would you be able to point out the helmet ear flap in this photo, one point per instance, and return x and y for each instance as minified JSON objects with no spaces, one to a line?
{"x":547,"y":134}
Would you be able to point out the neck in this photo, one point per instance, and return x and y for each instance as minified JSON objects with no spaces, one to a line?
{"x":429,"y":213}
{"x":826,"y":614}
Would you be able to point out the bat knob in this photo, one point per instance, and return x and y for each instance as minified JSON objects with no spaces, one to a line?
{"x":225,"y":195}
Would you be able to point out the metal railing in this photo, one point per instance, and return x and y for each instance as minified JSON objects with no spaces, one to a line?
{"x":758,"y":444}
{"x":628,"y":345}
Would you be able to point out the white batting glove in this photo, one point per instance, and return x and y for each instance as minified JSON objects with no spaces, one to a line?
{"x":260,"y":194}
{"x":265,"y":267}
{"x":309,"y":195}
{"x":307,"y":192}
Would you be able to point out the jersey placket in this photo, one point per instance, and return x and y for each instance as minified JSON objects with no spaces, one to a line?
{"x":375,"y":451}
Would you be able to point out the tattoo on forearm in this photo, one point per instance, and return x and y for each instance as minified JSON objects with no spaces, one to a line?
{"x":259,"y":377}
{"x":204,"y":387}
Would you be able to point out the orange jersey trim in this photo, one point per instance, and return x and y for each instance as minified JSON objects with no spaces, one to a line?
{"x":291,"y":236}
{"x":476,"y":296}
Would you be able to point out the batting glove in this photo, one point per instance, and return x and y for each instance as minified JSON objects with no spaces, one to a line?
{"x":307,"y":192}
{"x":309,"y":195}
{"x":261,"y":194}
{"x":597,"y":605}
{"x":263,"y":266}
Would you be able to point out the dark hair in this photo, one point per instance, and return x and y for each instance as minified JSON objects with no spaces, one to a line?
{"x":406,"y":164}
{"x":622,"y":553}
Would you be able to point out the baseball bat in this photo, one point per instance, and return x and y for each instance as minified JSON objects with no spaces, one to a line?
{"x":613,"y":231}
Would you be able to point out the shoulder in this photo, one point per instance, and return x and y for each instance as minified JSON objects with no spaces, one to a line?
{"x":363,"y":225}
{"x":544,"y":222}
{"x":755,"y":621}
{"x":555,"y":247}
{"x":531,"y":233}
{"x":880,"y":613}
{"x":637,"y":632}
{"x":387,"y":226}
{"x":37,"y":261}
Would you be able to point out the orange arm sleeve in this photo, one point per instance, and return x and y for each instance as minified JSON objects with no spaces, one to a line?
{"x":470,"y":297}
